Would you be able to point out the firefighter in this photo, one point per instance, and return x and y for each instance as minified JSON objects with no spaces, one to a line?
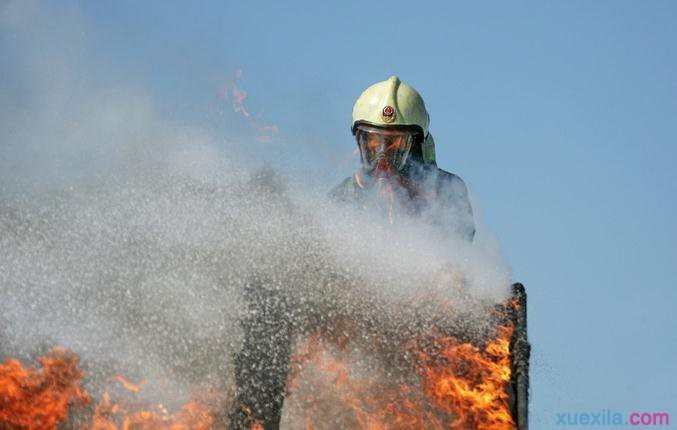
{"x":390,"y":125}
{"x":398,"y":173}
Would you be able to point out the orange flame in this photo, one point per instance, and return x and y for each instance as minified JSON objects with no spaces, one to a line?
{"x":237,"y":96}
{"x":39,"y":398}
{"x":109,"y":415}
{"x":129,"y":385}
{"x":460,"y":386}
{"x":469,"y":382}
{"x":454,"y":385}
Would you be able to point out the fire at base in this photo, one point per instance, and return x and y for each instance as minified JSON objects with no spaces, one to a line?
{"x":40,"y":398}
{"x":459,"y":386}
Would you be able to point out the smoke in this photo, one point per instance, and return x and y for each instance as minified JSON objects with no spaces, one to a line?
{"x":132,"y":239}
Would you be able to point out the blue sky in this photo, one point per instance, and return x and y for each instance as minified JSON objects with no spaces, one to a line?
{"x":561,"y":117}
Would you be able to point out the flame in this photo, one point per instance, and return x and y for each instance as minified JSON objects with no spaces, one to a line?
{"x":237,"y":96}
{"x":469,"y":382}
{"x":460,"y":386}
{"x":109,"y":415}
{"x":129,"y":385}
{"x":453,"y":385}
{"x":33,"y":398}
{"x":41,"y":399}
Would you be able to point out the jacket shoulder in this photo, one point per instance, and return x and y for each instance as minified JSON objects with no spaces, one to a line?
{"x":453,"y":193}
{"x":450,"y":182}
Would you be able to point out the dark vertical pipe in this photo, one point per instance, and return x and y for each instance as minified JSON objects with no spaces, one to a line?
{"x":520,"y":351}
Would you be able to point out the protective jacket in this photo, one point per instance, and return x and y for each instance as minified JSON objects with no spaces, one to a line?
{"x":436,"y":196}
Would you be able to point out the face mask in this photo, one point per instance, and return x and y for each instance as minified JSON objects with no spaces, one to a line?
{"x":383,"y":150}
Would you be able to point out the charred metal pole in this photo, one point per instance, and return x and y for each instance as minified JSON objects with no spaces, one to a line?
{"x":520,"y":350}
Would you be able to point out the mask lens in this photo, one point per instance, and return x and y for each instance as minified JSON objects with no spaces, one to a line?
{"x":383,"y":149}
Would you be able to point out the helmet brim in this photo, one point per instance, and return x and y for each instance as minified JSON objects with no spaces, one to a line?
{"x":414,"y":129}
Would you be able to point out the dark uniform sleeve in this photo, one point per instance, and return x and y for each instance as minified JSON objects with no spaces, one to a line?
{"x":452,"y":197}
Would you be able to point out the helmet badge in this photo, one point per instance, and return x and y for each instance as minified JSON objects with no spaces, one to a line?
{"x":388,"y":114}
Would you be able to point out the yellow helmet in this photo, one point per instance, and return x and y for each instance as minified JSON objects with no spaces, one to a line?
{"x":394,"y":103}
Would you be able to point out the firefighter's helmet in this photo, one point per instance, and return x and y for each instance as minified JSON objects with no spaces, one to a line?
{"x":394,"y":105}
